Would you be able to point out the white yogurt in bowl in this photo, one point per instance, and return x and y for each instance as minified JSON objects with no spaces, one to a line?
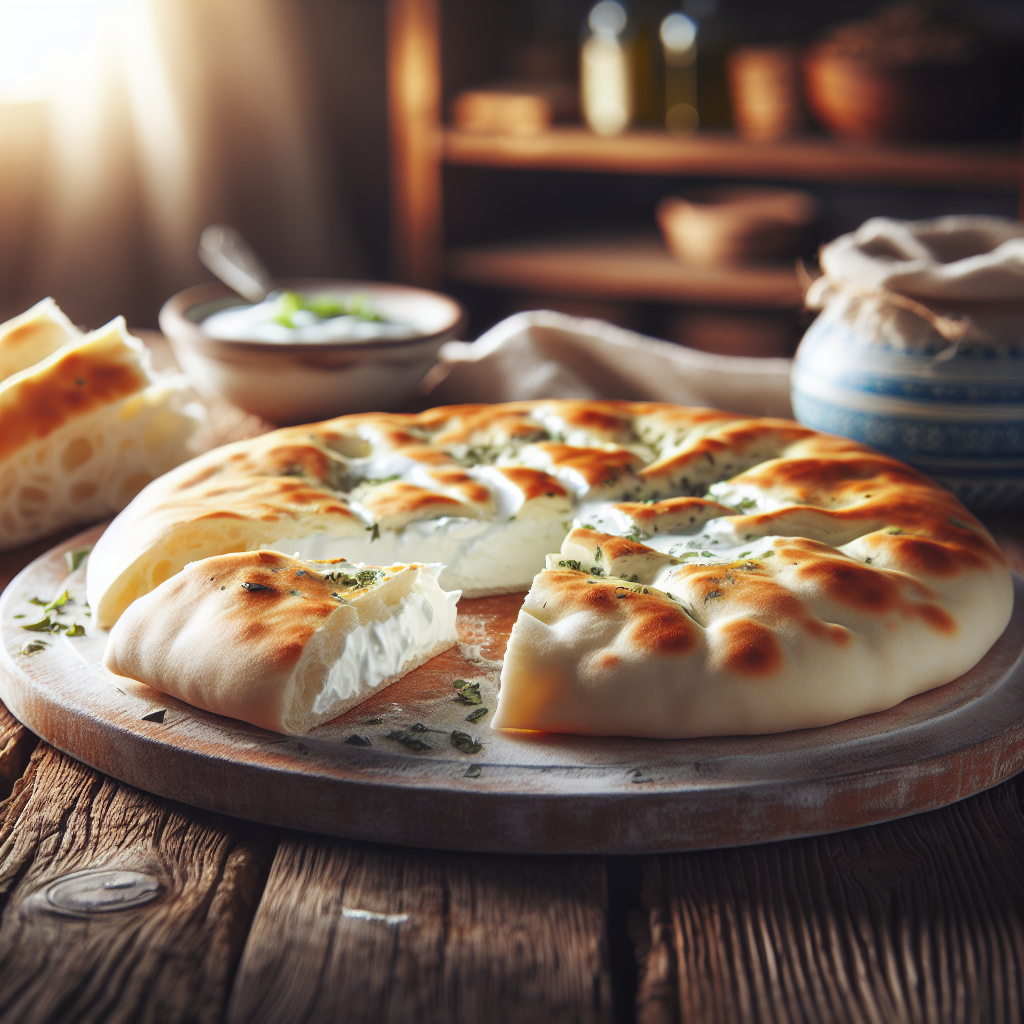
{"x":285,"y":317}
{"x":321,"y":349}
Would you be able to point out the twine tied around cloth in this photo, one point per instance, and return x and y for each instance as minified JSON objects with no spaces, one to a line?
{"x":815,"y":291}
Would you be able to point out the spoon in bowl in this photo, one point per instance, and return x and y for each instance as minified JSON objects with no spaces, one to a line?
{"x":226,"y":254}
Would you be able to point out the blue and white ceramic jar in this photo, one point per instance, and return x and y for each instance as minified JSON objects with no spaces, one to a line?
{"x":923,"y":357}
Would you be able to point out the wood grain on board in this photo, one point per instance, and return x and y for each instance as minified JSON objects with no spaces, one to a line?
{"x":16,"y":745}
{"x":920,"y":919}
{"x":382,"y":934}
{"x":171,"y":959}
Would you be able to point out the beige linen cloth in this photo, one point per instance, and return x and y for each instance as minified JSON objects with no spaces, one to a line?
{"x":900,"y":282}
{"x":543,"y":354}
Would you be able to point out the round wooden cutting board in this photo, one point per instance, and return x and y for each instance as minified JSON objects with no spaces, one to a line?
{"x":418,"y":765}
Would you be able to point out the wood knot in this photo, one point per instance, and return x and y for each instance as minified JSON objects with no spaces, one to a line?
{"x":102,"y":891}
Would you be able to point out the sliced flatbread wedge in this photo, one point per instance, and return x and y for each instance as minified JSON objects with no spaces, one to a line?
{"x":32,"y":336}
{"x":83,"y":431}
{"x":281,"y":643}
{"x":697,"y":638}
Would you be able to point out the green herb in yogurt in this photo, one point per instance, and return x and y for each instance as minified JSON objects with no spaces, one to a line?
{"x":324,"y":307}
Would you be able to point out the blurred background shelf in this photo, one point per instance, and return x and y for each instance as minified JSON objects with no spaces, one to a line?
{"x":653,"y":151}
{"x":565,"y":218}
{"x":619,"y":267}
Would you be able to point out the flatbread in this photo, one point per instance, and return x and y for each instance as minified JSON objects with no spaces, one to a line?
{"x":83,"y":431}
{"x":280,"y":643}
{"x":891,"y":586}
{"x":32,"y":336}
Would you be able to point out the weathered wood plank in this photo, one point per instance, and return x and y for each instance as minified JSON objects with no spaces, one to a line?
{"x":16,"y":746}
{"x":373,"y":933}
{"x":171,"y":959}
{"x":916,"y":920}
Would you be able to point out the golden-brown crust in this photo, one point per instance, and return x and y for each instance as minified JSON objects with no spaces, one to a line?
{"x":274,"y":603}
{"x":81,"y":379}
{"x":830,"y":490}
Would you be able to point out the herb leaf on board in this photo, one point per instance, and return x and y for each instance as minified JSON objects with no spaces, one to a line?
{"x":464,"y":742}
{"x":407,"y":740}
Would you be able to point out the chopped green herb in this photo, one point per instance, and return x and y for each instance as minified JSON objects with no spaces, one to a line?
{"x":34,"y":647}
{"x":894,"y":530}
{"x":370,"y":577}
{"x":155,"y":716}
{"x":743,"y":554}
{"x":75,"y":629}
{"x":418,"y":727}
{"x":39,"y":601}
{"x":44,"y":625}
{"x":472,"y":772}
{"x":20,"y":616}
{"x":355,"y":740}
{"x":469,"y":693}
{"x":464,"y":742}
{"x":570,"y":563}
{"x":597,"y":571}
{"x":587,"y":526}
{"x":374,"y":531}
{"x":475,"y":716}
{"x":376,"y":720}
{"x":58,"y":602}
{"x":770,"y":553}
{"x":744,"y":503}
{"x":707,"y":554}
{"x":597,"y":554}
{"x":253,"y":587}
{"x":74,"y":559}
{"x":288,"y":304}
{"x":714,"y":593}
{"x":412,"y":742}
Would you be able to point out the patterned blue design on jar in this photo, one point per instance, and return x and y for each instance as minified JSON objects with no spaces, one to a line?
{"x":904,"y":437}
{"x":960,"y":420}
{"x":833,"y":351}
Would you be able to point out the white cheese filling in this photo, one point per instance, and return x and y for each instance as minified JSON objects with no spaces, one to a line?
{"x":382,"y":649}
{"x":479,"y":556}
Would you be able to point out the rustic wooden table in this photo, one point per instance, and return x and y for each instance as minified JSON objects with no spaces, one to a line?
{"x":916,"y":920}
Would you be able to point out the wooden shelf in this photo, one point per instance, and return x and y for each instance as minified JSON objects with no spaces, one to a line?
{"x":651,"y":151}
{"x":632,"y":268}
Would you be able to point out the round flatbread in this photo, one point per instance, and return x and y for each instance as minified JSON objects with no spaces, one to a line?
{"x":792,"y":578}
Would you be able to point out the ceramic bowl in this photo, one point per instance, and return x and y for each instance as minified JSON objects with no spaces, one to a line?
{"x":856,"y":99}
{"x":959,"y":420}
{"x":733,"y":224}
{"x":300,"y":382}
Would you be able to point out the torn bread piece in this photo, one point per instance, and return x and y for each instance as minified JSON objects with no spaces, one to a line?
{"x":32,"y":336}
{"x":281,"y":643}
{"x":83,"y":431}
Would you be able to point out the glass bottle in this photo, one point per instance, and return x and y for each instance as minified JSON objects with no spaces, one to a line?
{"x":606,"y":70}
